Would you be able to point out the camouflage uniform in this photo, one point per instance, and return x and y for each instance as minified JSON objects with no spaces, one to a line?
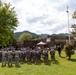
{"x":4,"y":58}
{"x":45,"y":56}
{"x":17,"y":53}
{"x":10,"y":58}
{"x":52,"y":53}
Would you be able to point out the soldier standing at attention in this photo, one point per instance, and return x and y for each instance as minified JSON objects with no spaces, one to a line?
{"x":10,"y":56}
{"x":59,"y":50}
{"x":17,"y":53}
{"x":3,"y":58}
{"x":52,"y":53}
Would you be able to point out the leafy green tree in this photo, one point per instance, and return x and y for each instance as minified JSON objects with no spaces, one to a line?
{"x":74,"y":29}
{"x":25,"y":36}
{"x":74,"y":15}
{"x":69,"y":50}
{"x":73,"y":26}
{"x":34,"y":37}
{"x":8,"y":23}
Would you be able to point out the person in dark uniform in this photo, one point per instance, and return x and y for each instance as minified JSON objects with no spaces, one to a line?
{"x":52,"y":53}
{"x":59,"y":50}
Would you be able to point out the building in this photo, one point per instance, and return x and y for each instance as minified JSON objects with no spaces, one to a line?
{"x":50,"y":40}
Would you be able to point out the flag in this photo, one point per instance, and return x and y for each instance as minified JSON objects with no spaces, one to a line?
{"x":67,"y":9}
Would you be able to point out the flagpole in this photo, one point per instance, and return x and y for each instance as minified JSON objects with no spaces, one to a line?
{"x":68,"y":24}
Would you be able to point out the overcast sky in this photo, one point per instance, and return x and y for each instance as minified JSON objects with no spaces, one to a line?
{"x":43,"y":16}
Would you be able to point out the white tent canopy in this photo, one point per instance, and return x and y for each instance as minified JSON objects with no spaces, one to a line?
{"x":41,"y":43}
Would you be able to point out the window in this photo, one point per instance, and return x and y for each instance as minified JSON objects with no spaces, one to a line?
{"x":48,"y":39}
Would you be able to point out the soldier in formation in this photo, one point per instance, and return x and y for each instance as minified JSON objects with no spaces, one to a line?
{"x":3,"y":58}
{"x":17,"y":54}
{"x":52,"y":53}
{"x":28,"y":55}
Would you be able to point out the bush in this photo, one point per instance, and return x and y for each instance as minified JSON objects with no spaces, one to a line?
{"x":69,"y":50}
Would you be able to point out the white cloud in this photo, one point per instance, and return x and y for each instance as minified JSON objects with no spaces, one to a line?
{"x":43,"y":16}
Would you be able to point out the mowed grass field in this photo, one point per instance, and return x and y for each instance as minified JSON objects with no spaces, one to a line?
{"x":62,"y":66}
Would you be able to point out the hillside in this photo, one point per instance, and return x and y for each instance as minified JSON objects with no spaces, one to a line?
{"x":17,"y":34}
{"x":61,"y":34}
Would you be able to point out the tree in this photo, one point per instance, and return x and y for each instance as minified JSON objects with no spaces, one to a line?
{"x":69,"y":50}
{"x":35,"y":37}
{"x":74,"y":29}
{"x":25,"y":36}
{"x":74,"y":15}
{"x":8,"y":23}
{"x":73,"y":26}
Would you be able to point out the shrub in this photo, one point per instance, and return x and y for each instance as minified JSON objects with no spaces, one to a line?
{"x":69,"y":50}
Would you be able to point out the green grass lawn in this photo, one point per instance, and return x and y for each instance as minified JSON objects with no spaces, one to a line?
{"x":62,"y":66}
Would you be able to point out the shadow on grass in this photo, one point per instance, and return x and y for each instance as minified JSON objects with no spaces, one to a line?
{"x":10,"y":66}
{"x":17,"y":66}
{"x":55,"y":62}
{"x":23,"y":62}
{"x":7,"y":66}
{"x":3,"y":66}
{"x":62,"y":57}
{"x":73,"y":60}
{"x":41,"y":61}
{"x":48,"y":63}
{"x":32,"y":62}
{"x":37,"y":63}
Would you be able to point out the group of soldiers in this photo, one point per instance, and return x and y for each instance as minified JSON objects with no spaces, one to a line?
{"x":10,"y":56}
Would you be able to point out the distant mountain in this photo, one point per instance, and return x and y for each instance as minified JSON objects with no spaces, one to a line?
{"x":61,"y":34}
{"x":17,"y":34}
{"x":42,"y":35}
{"x":53,"y":34}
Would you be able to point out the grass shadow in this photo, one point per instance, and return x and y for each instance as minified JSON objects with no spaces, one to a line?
{"x":17,"y":66}
{"x":38,"y":63}
{"x":48,"y":63}
{"x":55,"y":62}
{"x":10,"y":66}
{"x":23,"y":62}
{"x":29,"y":63}
{"x":62,"y":57}
{"x":73,"y":60}
{"x":3,"y":66}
